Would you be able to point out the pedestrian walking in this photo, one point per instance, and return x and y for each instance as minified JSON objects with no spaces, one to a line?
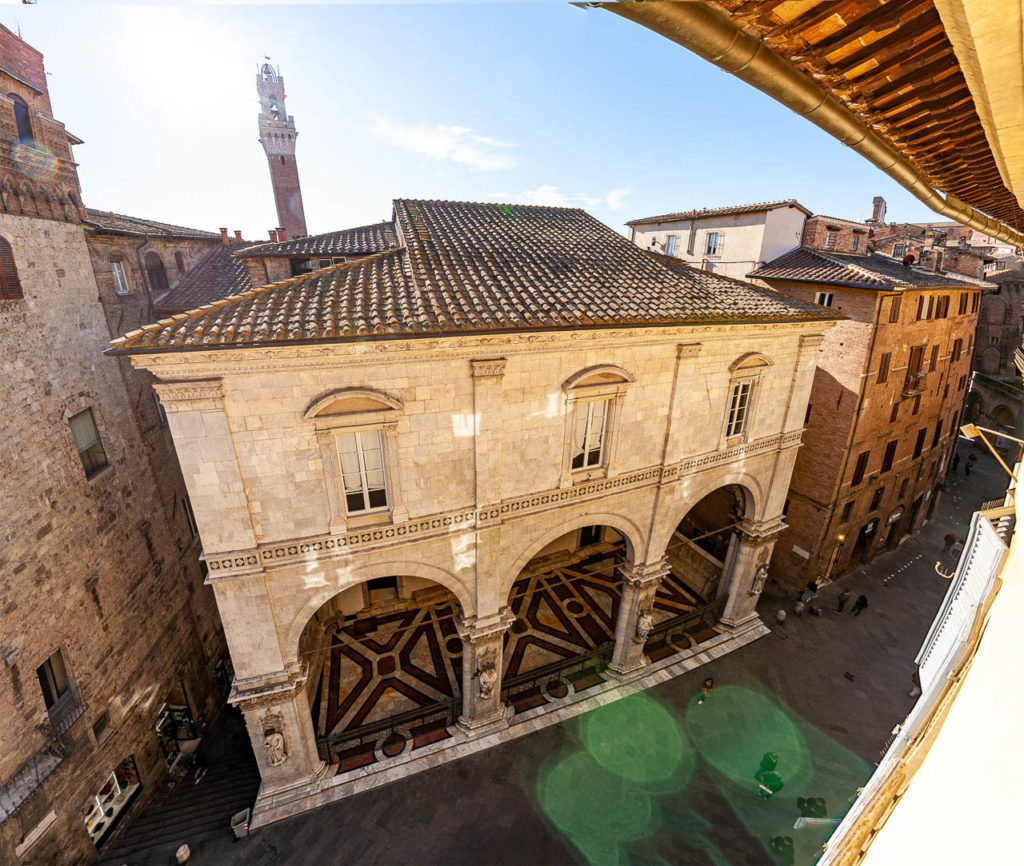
{"x":707,"y":687}
{"x":844,"y":597}
{"x":859,"y":605}
{"x":948,"y":541}
{"x":956,"y":461}
{"x":969,"y":465}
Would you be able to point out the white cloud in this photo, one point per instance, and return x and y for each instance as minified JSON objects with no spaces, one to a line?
{"x":456,"y":143}
{"x":552,"y":196}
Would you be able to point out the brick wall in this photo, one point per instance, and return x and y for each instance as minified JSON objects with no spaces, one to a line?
{"x":818,"y":228}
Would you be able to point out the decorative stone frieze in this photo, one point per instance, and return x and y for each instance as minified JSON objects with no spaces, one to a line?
{"x":488,"y":367}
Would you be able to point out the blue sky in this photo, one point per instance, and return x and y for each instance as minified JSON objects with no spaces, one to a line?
{"x":519,"y":101}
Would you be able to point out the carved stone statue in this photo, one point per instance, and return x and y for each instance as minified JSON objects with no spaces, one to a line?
{"x":644,"y":624}
{"x":273,"y":745}
{"x":487,"y":673}
{"x":760,"y":576}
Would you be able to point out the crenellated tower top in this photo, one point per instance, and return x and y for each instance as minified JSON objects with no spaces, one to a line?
{"x":277,"y":135}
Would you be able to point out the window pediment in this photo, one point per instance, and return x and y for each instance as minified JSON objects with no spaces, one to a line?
{"x":598,"y":377}
{"x":352,"y":407}
{"x":751,"y":362}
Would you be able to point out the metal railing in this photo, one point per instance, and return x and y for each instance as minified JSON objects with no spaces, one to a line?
{"x":678,"y":627}
{"x":333,"y":747}
{"x":563,"y":671}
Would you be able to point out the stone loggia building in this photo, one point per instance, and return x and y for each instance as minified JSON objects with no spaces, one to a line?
{"x":109,"y":638}
{"x":451,"y":488}
{"x":884,"y":410}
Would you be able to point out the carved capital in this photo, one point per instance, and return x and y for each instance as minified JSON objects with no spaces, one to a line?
{"x":488,"y":367}
{"x":761,"y":532}
{"x":476,"y":629}
{"x":688,"y":350}
{"x":809,"y":342}
{"x":268,"y":690}
{"x":184,"y":396}
{"x":644,"y":573}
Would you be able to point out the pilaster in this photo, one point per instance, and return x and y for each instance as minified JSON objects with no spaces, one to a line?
{"x":488,"y":375}
{"x":639,"y":586}
{"x":746,"y":569}
{"x":482,"y":666}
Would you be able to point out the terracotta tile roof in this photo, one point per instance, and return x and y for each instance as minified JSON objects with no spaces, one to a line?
{"x":757,"y":207}
{"x":466,"y":267}
{"x":362,"y":240}
{"x":217,"y":274}
{"x":864,"y":272}
{"x":99,"y":221}
{"x":1010,"y":277}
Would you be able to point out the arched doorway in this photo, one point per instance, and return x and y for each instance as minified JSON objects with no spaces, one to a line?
{"x":698,"y":555}
{"x":862,"y":546}
{"x":566,"y":605}
{"x":385,"y":669}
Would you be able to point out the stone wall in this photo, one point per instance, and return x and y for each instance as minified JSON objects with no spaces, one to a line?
{"x":91,"y":565}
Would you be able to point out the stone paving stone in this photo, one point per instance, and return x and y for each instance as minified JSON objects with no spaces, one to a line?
{"x":483,"y":808}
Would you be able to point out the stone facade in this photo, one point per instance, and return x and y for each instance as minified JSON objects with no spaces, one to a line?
{"x":277,"y":135}
{"x":838,"y":513}
{"x":475,"y":432}
{"x":104,"y":614}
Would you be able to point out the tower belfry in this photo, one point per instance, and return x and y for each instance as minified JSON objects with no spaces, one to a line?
{"x":277,"y":135}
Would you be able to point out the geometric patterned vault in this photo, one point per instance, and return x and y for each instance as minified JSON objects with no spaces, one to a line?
{"x":385,"y":665}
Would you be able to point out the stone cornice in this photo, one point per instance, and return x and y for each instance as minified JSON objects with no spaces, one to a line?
{"x":266,"y":691}
{"x":640,"y":574}
{"x":232,"y":565}
{"x":209,"y":363}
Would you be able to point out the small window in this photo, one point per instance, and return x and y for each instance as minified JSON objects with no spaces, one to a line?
{"x":785,"y":509}
{"x":945,"y":391}
{"x":846,"y":512}
{"x":714,"y":243}
{"x":876,"y":499}
{"x":961,"y":383}
{"x":589,"y":434}
{"x":895,"y":413}
{"x":921,"y":309}
{"x":975,"y":301}
{"x":883,"y":366}
{"x":807,"y":414}
{"x":934,"y":359}
{"x":938,"y":433}
{"x":179,"y":262}
{"x":738,"y":406}
{"x":156,"y":273}
{"x":963,"y":304}
{"x":917,"y":405}
{"x":87,"y":441}
{"x":919,"y":443}
{"x":22,"y":119}
{"x":899,"y":250}
{"x":691,"y":241}
{"x":903,"y":487}
{"x":53,"y":679}
{"x":10,"y":285}
{"x":100,"y":726}
{"x":670,"y":245}
{"x":854,"y":243}
{"x":823,"y":298}
{"x":993,"y":341}
{"x":894,"y":310}
{"x":860,"y":468}
{"x":190,"y":517}
{"x":120,"y":280}
{"x":942,"y":307}
{"x":890,"y":455}
{"x":954,"y":356}
{"x":362,"y":469}
{"x":830,"y":241}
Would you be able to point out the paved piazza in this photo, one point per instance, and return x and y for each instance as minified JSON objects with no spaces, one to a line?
{"x":656,"y":776}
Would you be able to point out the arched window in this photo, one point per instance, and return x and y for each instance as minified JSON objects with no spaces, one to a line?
{"x":745,"y":377}
{"x":593,"y":403}
{"x":22,"y":119}
{"x":356,"y":430}
{"x":10,"y":285}
{"x":156,"y":273}
{"x":179,"y":260}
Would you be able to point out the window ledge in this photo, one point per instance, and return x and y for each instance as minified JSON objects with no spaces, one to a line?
{"x":380,"y":518}
{"x":102,"y":472}
{"x":581,"y":475}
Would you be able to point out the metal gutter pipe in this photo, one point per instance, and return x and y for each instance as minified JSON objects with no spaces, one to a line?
{"x":711,"y":35}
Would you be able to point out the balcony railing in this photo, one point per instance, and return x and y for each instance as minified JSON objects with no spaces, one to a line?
{"x":38,"y":767}
{"x":914,"y":384}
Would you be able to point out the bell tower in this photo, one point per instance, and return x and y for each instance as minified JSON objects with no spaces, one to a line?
{"x":277,"y":135}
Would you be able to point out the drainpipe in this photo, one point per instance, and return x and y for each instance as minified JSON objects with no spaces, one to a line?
{"x":712,"y":36}
{"x":145,"y":281}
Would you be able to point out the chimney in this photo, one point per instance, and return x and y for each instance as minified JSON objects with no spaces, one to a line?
{"x":110,"y":216}
{"x":238,"y":235}
{"x":223,"y":235}
{"x":280,"y":234}
{"x":83,"y":213}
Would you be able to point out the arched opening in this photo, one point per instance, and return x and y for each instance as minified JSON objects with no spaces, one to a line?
{"x":22,"y":119}
{"x":566,"y":605}
{"x":1002,"y":417}
{"x":866,"y":537}
{"x":385,"y":669}
{"x":156,"y":273}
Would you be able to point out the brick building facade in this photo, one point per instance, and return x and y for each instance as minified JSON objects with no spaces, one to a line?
{"x":884,"y":408}
{"x":107,"y":630}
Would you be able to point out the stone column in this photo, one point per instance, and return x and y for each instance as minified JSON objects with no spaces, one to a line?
{"x":277,"y":715}
{"x":746,"y":569}
{"x":482,"y":666}
{"x":639,"y":586}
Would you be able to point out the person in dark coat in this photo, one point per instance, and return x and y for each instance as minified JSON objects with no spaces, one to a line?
{"x":859,"y":604}
{"x":969,"y":465}
{"x":844,"y":597}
